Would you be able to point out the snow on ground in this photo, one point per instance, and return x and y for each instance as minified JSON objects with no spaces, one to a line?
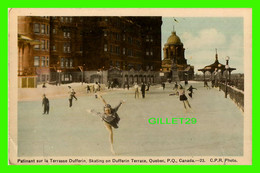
{"x":75,"y":132}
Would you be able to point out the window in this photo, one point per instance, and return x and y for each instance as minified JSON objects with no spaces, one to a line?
{"x":147,"y":38}
{"x":70,"y":19}
{"x":36,"y":28}
{"x":47,"y":46}
{"x":43,"y":29}
{"x":71,"y":62}
{"x":54,"y":48}
{"x":37,"y":46}
{"x":61,"y":19}
{"x":123,"y":51}
{"x":130,"y":40}
{"x":117,"y":49}
{"x":66,"y":47}
{"x":43,"y":78}
{"x":80,"y":48}
{"x":43,"y":44}
{"x":48,"y":28}
{"x":117,"y":36}
{"x":66,"y":34}
{"x":36,"y":61}
{"x":43,"y":61}
{"x":130,"y":52}
{"x":62,"y":62}
{"x":124,"y":37}
{"x":66,"y":62}
{"x":147,"y":52}
{"x":54,"y":31}
{"x":105,"y":47}
{"x":66,"y":19}
{"x":151,"y":38}
{"x":117,"y":64}
{"x":47,"y":61}
{"x":151,"y":52}
{"x":111,"y":48}
{"x":105,"y":33}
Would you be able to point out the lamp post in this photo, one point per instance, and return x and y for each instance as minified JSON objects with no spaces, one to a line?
{"x":219,"y":79}
{"x":226,"y":67}
{"x":59,"y":72}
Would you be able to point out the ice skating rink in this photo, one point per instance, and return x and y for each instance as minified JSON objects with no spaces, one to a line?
{"x":75,"y":132}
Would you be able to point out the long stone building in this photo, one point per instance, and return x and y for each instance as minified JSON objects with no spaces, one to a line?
{"x":63,"y":49}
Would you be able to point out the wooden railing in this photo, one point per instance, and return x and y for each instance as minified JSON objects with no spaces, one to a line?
{"x":235,"y":94}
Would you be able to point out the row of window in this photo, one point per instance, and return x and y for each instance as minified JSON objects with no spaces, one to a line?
{"x":43,"y":78}
{"x":66,"y":19}
{"x":129,"y":52}
{"x":43,"y":46}
{"x":66,"y":62}
{"x":41,"y":61}
{"x":41,"y":28}
{"x":118,"y":37}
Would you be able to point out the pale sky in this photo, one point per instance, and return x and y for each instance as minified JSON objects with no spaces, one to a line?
{"x":201,"y":36}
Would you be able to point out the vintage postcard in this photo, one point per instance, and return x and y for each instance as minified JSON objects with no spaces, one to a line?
{"x":130,"y":86}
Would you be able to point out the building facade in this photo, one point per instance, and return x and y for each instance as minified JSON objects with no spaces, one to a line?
{"x":174,"y":55}
{"x":65,"y":48}
{"x":33,"y":50}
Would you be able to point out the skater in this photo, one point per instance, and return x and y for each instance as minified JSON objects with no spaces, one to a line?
{"x":183,"y":97}
{"x":175,"y":86}
{"x":136,"y":90}
{"x":128,"y":86}
{"x":206,"y":84}
{"x":99,"y":87}
{"x":108,"y":85}
{"x":96,"y":86}
{"x":43,"y":85}
{"x":212,"y":84}
{"x":71,"y":96}
{"x":143,"y":90}
{"x":148,"y":86}
{"x":88,"y":89}
{"x":45,"y":104}
{"x":110,"y":119}
{"x":163,"y":85}
{"x":186,"y":82}
{"x":190,"y":89}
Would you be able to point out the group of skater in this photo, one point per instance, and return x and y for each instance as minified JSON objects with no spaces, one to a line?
{"x":109,"y":115}
{"x":46,"y":103}
{"x":143,"y":89}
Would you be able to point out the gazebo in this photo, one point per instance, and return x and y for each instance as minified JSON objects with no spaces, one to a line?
{"x":217,"y":67}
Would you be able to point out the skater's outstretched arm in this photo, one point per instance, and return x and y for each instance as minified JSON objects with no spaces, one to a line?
{"x":117,"y":107}
{"x":102,"y":99}
{"x":93,"y":112}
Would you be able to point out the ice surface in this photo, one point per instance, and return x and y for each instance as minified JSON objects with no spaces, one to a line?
{"x":75,"y":132}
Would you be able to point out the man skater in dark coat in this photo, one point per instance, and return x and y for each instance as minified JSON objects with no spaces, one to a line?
{"x":190,"y":89}
{"x":143,"y":90}
{"x":148,"y":86}
{"x":45,"y":104}
{"x":163,"y":85}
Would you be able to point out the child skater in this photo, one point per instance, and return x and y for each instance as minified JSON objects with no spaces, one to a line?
{"x":183,"y":97}
{"x":110,"y":119}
